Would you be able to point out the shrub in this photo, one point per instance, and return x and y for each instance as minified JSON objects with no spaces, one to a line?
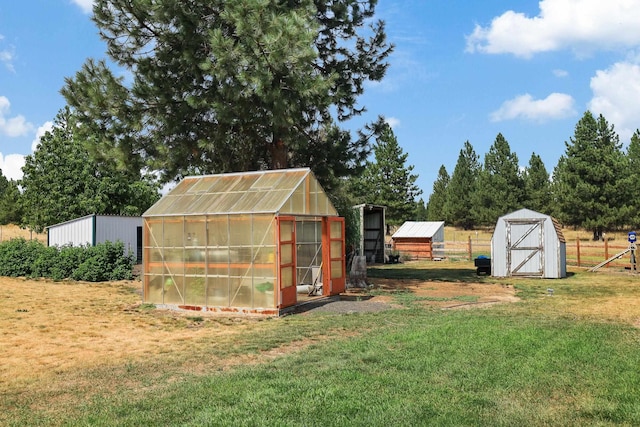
{"x":103,"y":262}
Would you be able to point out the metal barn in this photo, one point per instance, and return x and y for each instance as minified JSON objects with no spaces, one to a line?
{"x":243,"y":243}
{"x":372,"y":232}
{"x":94,"y":229}
{"x":420,"y":239}
{"x":528,"y":243}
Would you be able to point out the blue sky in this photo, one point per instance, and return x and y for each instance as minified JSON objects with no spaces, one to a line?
{"x":461,"y":71}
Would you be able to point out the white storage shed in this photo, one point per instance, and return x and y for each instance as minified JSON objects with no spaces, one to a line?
{"x":94,"y":229}
{"x":528,"y":243}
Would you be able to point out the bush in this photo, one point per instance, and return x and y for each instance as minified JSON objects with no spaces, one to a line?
{"x":103,"y":262}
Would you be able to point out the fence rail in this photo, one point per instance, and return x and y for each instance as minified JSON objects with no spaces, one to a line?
{"x":579,"y":253}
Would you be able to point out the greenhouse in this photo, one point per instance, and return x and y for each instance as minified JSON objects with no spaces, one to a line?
{"x":251,"y":242}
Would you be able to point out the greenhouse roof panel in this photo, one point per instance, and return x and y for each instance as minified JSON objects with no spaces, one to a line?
{"x":234,"y":193}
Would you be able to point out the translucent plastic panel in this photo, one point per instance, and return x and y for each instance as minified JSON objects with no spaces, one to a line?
{"x":245,"y":182}
{"x":298,"y":201}
{"x":287,"y":276}
{"x":240,"y":230}
{"x":264,"y":270}
{"x":249,"y":201}
{"x":184,"y":186}
{"x":153,"y":254}
{"x":336,"y":230}
{"x":286,"y":231}
{"x":267,"y":181}
{"x":286,"y":254}
{"x":181,"y":204}
{"x":195,"y":290}
{"x":263,"y":230}
{"x":336,"y":249}
{"x":153,"y":293}
{"x":217,"y":268}
{"x":173,"y":233}
{"x":264,"y":295}
{"x":194,"y":269}
{"x":241,"y":270}
{"x":309,"y":254}
{"x":264,"y":254}
{"x":241,"y":292}
{"x":203,"y":184}
{"x":218,"y":291}
{"x":240,"y":255}
{"x":174,"y":255}
{"x":224,"y":202}
{"x":174,"y":289}
{"x":218,"y":230}
{"x":195,"y":239}
{"x":336,"y":269}
{"x":154,"y":232}
{"x":273,"y":201}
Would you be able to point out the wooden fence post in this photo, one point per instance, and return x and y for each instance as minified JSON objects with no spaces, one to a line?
{"x":578,"y":250}
{"x":470,"y":251}
{"x":606,"y":248}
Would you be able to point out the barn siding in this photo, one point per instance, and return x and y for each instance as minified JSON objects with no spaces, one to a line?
{"x":118,"y":228}
{"x":416,"y":248}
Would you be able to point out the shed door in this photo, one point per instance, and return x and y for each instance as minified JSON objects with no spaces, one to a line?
{"x":334,"y":262}
{"x":287,"y":261}
{"x":525,"y":247}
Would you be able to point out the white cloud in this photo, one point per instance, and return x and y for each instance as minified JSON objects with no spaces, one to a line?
{"x":11,"y":165}
{"x":46,"y":127}
{"x":6,"y":57}
{"x":560,"y":73}
{"x":581,"y":25}
{"x":393,"y":122}
{"x":616,"y":95}
{"x":554,"y":106}
{"x":13,"y":126}
{"x":85,"y":5}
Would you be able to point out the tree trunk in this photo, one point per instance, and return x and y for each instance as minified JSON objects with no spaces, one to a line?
{"x":278,"y":155}
{"x":597,"y":234}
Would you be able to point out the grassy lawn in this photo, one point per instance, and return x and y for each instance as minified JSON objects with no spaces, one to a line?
{"x":570,"y":359}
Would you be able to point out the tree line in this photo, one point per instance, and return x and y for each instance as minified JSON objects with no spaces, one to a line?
{"x":593,"y":186}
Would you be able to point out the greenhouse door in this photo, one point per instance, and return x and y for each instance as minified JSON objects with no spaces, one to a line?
{"x":286,"y":261}
{"x":334,"y":261}
{"x":525,"y":248}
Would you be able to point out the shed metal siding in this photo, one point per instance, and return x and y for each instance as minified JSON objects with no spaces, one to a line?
{"x":118,"y":228}
{"x":76,"y":232}
{"x":551,"y":263}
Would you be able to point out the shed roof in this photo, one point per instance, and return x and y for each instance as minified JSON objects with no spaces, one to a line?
{"x":418,"y":229}
{"x":292,"y":191}
{"x":529,"y":214}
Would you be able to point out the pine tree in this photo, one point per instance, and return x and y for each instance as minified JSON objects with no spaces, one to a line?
{"x":537,"y":186}
{"x":221,"y":86}
{"x":388,"y":181}
{"x":10,"y":212}
{"x":590,"y":178}
{"x":459,"y":207}
{"x":438,"y":197}
{"x":500,"y":187}
{"x":633,"y":183}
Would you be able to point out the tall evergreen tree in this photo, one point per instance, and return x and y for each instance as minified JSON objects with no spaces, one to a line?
{"x":388,"y":181}
{"x":421,"y":211}
{"x":633,"y":183}
{"x":9,"y":201}
{"x":438,"y":197}
{"x":223,"y":86}
{"x":590,"y":178}
{"x":61,"y":181}
{"x":459,"y":207}
{"x":537,"y":186}
{"x":500,"y":187}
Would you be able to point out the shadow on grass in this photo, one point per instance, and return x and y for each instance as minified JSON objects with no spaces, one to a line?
{"x":461,"y":274}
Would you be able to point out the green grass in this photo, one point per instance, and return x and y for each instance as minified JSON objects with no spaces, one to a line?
{"x":510,"y":365}
{"x":415,"y":368}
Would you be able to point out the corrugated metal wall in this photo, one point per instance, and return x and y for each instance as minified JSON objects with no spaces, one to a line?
{"x":76,"y":232}
{"x":513,"y":244}
{"x":122,"y":228}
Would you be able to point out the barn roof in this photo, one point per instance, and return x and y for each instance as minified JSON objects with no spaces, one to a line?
{"x":418,"y":229}
{"x":289,"y":191}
